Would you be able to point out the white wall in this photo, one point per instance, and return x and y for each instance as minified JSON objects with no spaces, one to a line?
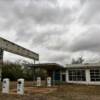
{"x":88,"y":79}
{"x":87,"y":73}
{"x":67,"y":76}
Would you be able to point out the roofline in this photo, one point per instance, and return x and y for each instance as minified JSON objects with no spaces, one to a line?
{"x":90,"y":65}
{"x":46,"y":65}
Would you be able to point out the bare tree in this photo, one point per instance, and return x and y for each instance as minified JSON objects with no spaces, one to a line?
{"x":80,"y":60}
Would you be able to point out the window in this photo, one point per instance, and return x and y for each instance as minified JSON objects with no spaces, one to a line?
{"x":95,"y":74}
{"x":77,"y":75}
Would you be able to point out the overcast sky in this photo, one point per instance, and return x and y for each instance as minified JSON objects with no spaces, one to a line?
{"x":58,"y":30}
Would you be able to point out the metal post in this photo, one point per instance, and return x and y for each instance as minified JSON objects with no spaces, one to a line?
{"x":34,"y":73}
{"x":53,"y":77}
{"x":1,"y":63}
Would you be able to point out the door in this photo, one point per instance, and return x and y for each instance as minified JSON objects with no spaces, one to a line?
{"x":63,"y":77}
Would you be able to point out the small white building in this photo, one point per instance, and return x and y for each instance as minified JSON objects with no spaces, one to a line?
{"x":82,"y":74}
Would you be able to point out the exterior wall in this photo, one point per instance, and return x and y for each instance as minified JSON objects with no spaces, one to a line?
{"x":67,"y":76}
{"x":88,"y":79}
{"x":87,"y":72}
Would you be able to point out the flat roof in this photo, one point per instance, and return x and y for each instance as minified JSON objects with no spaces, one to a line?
{"x":17,"y":49}
{"x":47,"y":66}
{"x":90,"y":65}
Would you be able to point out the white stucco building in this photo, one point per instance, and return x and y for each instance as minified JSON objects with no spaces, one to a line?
{"x":82,"y":74}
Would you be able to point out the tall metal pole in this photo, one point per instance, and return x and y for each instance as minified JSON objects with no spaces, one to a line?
{"x":34,"y":72}
{"x":53,"y":77}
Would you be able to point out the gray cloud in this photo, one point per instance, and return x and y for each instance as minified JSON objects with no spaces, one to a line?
{"x":58,"y":30}
{"x":90,"y":13}
{"x":24,"y":18}
{"x":39,"y":12}
{"x":88,"y":41}
{"x":49,"y":35}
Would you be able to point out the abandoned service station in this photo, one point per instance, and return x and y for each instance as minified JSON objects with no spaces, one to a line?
{"x":71,"y":73}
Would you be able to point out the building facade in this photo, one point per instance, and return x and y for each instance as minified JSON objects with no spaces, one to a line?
{"x":82,"y":74}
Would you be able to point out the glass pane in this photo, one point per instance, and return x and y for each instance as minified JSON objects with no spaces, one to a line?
{"x":77,"y":75}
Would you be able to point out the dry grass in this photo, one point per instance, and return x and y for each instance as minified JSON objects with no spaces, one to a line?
{"x":64,"y":92}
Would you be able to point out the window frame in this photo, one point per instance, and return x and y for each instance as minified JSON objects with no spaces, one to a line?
{"x":77,"y":75}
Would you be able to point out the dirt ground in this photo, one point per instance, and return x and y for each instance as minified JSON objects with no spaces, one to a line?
{"x":62,"y":92}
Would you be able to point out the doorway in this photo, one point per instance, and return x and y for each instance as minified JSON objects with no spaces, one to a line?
{"x":63,"y":77}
